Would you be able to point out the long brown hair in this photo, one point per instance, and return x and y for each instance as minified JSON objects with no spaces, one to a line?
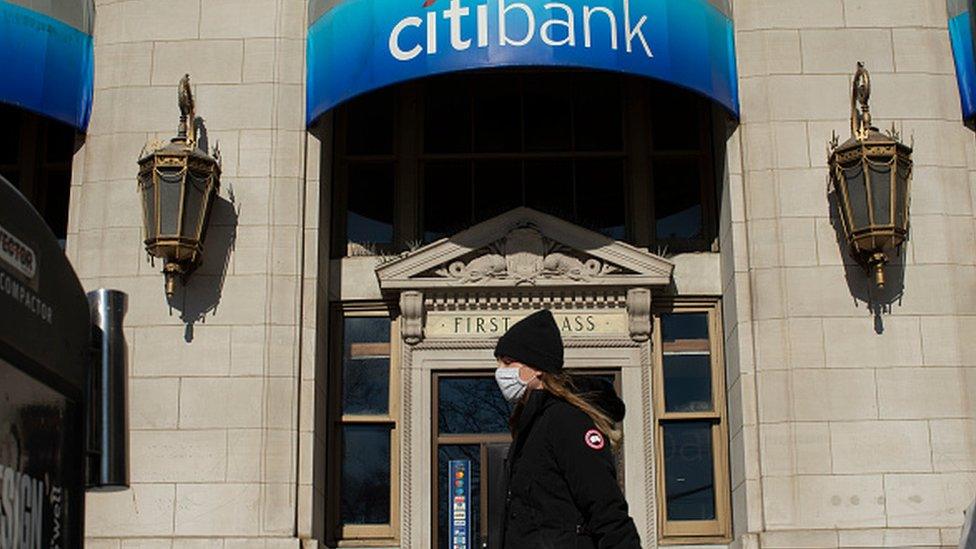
{"x":561,"y":385}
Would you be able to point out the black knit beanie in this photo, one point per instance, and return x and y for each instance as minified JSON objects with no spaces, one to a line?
{"x":534,"y":341}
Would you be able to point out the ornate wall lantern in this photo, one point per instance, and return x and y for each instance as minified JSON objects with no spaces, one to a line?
{"x":178,"y":183}
{"x":871,"y":175}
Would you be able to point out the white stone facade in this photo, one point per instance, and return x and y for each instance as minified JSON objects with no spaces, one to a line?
{"x":847,"y":429}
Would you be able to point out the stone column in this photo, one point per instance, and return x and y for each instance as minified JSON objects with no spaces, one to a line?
{"x":216,"y":372}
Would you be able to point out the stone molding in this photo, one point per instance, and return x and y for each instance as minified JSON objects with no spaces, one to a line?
{"x":524,"y":248}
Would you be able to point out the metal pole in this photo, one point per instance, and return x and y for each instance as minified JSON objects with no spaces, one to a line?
{"x":109,"y":424}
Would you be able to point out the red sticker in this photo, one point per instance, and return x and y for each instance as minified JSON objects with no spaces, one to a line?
{"x":594,"y":439}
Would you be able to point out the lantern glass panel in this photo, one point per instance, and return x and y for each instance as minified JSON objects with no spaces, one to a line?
{"x":901,"y":194}
{"x":881,"y":192}
{"x":196,"y":189}
{"x":148,"y":204}
{"x":170,"y":185}
{"x":857,"y":195}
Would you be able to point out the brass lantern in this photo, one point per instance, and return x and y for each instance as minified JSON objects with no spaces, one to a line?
{"x":871,"y":176}
{"x":178,"y":183}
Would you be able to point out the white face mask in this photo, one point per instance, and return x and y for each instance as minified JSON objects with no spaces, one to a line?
{"x":510,"y":383}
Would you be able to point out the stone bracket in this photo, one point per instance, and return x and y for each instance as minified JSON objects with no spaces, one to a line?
{"x":639,"y":313}
{"x":412,"y":317}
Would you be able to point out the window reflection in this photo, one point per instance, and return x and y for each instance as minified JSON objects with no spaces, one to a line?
{"x":365,"y":474}
{"x":684,"y":326}
{"x":369,"y":219}
{"x":678,"y":200}
{"x":548,"y":113}
{"x":688,"y":471}
{"x":366,"y":366}
{"x":497,"y":114}
{"x":447,"y":199}
{"x":562,"y":142}
{"x":688,"y":383}
{"x":675,"y":120}
{"x":687,"y":362}
{"x":371,"y":123}
{"x":600,"y":196}
{"x":471,"y":405}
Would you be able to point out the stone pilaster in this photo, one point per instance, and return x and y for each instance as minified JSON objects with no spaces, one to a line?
{"x":216,"y":373}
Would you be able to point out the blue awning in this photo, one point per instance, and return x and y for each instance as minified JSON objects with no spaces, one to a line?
{"x":356,"y":46}
{"x":961,"y":36}
{"x":47,"y":57}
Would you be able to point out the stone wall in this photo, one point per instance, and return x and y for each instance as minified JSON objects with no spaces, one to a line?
{"x":846,"y":427}
{"x":857,"y":421}
{"x":215,"y":374}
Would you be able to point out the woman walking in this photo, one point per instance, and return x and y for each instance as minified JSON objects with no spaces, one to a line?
{"x":562,"y":481}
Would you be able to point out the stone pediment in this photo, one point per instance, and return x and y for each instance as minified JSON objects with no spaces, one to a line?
{"x":524,"y":248}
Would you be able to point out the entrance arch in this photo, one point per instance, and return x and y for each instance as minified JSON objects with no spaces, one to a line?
{"x":459,"y":294}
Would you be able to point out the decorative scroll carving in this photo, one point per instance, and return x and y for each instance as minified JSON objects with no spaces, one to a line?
{"x":523,"y":257}
{"x":639,"y":313}
{"x":412,"y":317}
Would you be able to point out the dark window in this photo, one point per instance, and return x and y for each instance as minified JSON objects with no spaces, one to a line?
{"x":497,"y":113}
{"x":371,"y":124}
{"x":35,"y":156}
{"x":689,"y":470}
{"x":471,"y":405}
{"x":678,"y":200}
{"x":690,"y":412}
{"x":369,"y":219}
{"x":421,"y":161}
{"x":363,"y":462}
{"x":676,"y":120}
{"x":447,"y":198}
{"x":688,"y":382}
{"x":551,"y":141}
{"x":366,"y":474}
{"x":366,"y":366}
{"x":687,"y":365}
{"x":600,"y":202}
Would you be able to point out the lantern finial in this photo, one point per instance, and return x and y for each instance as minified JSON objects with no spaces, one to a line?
{"x":860,"y":97}
{"x":187,"y":111}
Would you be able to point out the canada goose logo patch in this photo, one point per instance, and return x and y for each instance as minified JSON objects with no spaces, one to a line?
{"x":594,"y":439}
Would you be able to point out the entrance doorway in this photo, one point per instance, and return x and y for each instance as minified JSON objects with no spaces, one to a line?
{"x":470,"y":417}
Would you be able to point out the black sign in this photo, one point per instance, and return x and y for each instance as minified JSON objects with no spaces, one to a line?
{"x":36,"y":476}
{"x":45,"y":350}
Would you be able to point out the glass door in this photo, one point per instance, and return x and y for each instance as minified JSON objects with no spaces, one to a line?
{"x":469,"y":416}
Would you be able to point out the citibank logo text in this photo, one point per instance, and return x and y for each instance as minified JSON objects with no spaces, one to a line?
{"x":560,"y":25}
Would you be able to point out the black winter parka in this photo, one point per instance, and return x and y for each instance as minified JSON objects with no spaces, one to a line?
{"x":562,"y":480}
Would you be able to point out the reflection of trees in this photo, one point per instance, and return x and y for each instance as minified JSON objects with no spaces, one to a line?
{"x":471,"y":405}
{"x":366,"y":477}
{"x":365,"y":385}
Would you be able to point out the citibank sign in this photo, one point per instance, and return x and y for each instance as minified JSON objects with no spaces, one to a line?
{"x":557,"y":27}
{"x":356,"y":46}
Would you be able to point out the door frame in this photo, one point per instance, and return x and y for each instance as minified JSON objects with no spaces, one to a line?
{"x":477,"y":438}
{"x":457,"y":439}
{"x":419,"y":366}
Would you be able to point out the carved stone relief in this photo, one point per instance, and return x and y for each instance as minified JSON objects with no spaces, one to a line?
{"x":523,"y":257}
